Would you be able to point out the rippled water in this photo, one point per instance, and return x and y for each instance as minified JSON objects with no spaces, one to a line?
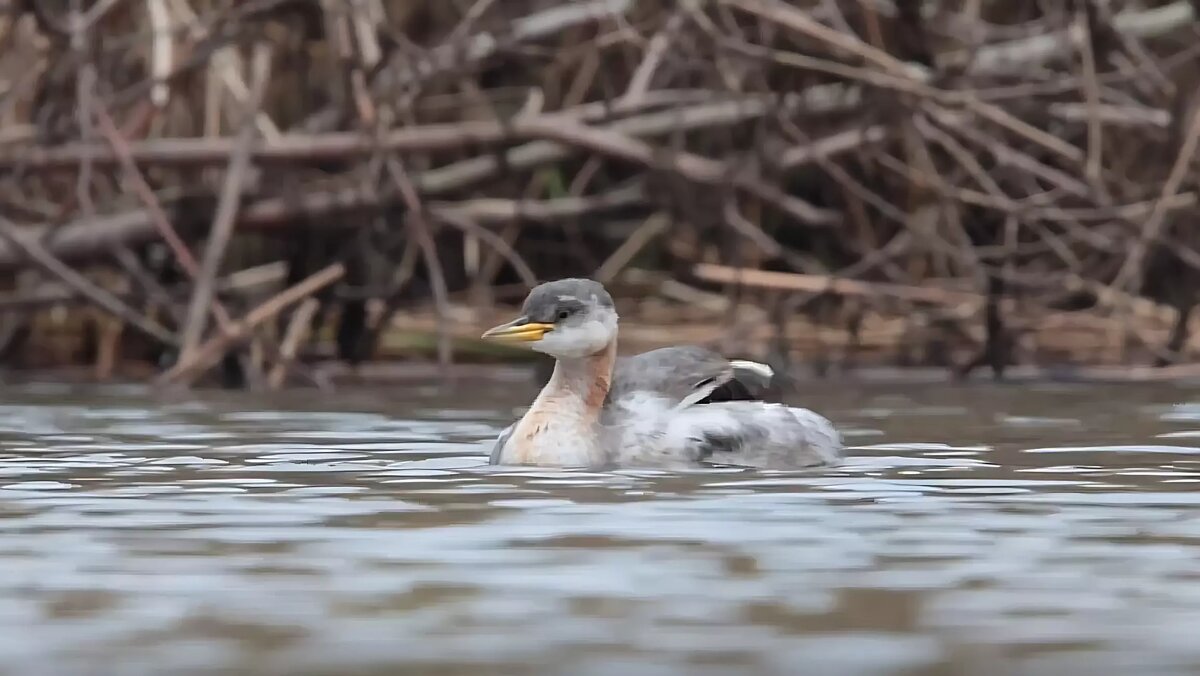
{"x":1022,"y":529}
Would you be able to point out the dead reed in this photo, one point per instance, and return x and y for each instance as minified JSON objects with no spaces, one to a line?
{"x":253,"y":183}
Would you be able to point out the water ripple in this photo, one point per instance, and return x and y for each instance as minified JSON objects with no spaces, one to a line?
{"x":981,"y":530}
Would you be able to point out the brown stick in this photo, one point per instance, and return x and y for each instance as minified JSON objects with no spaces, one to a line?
{"x":124,"y":156}
{"x":227,"y":207}
{"x":470,"y":227}
{"x":656,"y":224}
{"x":911,"y":78}
{"x":418,"y":228}
{"x":800,"y":21}
{"x":402,"y":71}
{"x":1131,"y":270}
{"x":693,"y":167}
{"x":499,"y":210}
{"x":154,"y":211}
{"x":830,"y":146}
{"x":788,"y":281}
{"x":108,"y":346}
{"x":55,"y":293}
{"x":295,"y":148}
{"x":82,"y":285}
{"x":298,"y":329}
{"x":288,"y":149}
{"x":639,"y":82}
{"x":208,"y":354}
{"x":88,"y":237}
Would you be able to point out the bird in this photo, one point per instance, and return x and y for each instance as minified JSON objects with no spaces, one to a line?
{"x":675,"y":406}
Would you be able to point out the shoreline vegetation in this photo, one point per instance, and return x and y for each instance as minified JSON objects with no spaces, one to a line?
{"x":276,"y":193}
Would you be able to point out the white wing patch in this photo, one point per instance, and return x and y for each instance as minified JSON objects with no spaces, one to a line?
{"x":762,"y":370}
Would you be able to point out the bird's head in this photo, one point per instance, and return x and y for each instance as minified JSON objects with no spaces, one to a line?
{"x":566,"y":319}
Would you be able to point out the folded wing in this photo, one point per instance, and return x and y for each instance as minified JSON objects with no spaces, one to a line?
{"x":690,"y":404}
{"x":688,"y":373}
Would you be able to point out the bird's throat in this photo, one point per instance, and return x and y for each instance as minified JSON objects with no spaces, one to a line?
{"x":562,"y":425}
{"x":584,"y":382}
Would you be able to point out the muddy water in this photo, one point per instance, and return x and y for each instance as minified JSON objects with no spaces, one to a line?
{"x":1031,"y":529}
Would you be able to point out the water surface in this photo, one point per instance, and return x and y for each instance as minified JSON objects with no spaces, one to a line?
{"x":977,"y":529}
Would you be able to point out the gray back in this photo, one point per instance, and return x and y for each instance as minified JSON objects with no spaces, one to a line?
{"x":672,"y":372}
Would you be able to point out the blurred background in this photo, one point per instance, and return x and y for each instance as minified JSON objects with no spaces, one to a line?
{"x":274,"y":192}
{"x":969,"y":217}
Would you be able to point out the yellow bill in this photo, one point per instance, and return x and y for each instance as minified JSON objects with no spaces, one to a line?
{"x":519,"y":330}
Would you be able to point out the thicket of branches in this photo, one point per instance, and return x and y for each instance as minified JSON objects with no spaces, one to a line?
{"x":213,"y":180}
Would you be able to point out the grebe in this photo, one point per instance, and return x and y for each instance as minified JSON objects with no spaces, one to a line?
{"x":674,"y":406}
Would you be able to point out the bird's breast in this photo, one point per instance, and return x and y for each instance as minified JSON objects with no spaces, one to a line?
{"x":554,"y":433}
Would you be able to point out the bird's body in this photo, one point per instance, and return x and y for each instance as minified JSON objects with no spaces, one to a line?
{"x":675,"y":406}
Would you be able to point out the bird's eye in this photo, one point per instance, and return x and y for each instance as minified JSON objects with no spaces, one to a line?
{"x":563,"y":314}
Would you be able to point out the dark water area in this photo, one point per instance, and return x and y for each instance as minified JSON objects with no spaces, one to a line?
{"x":973,"y":529}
